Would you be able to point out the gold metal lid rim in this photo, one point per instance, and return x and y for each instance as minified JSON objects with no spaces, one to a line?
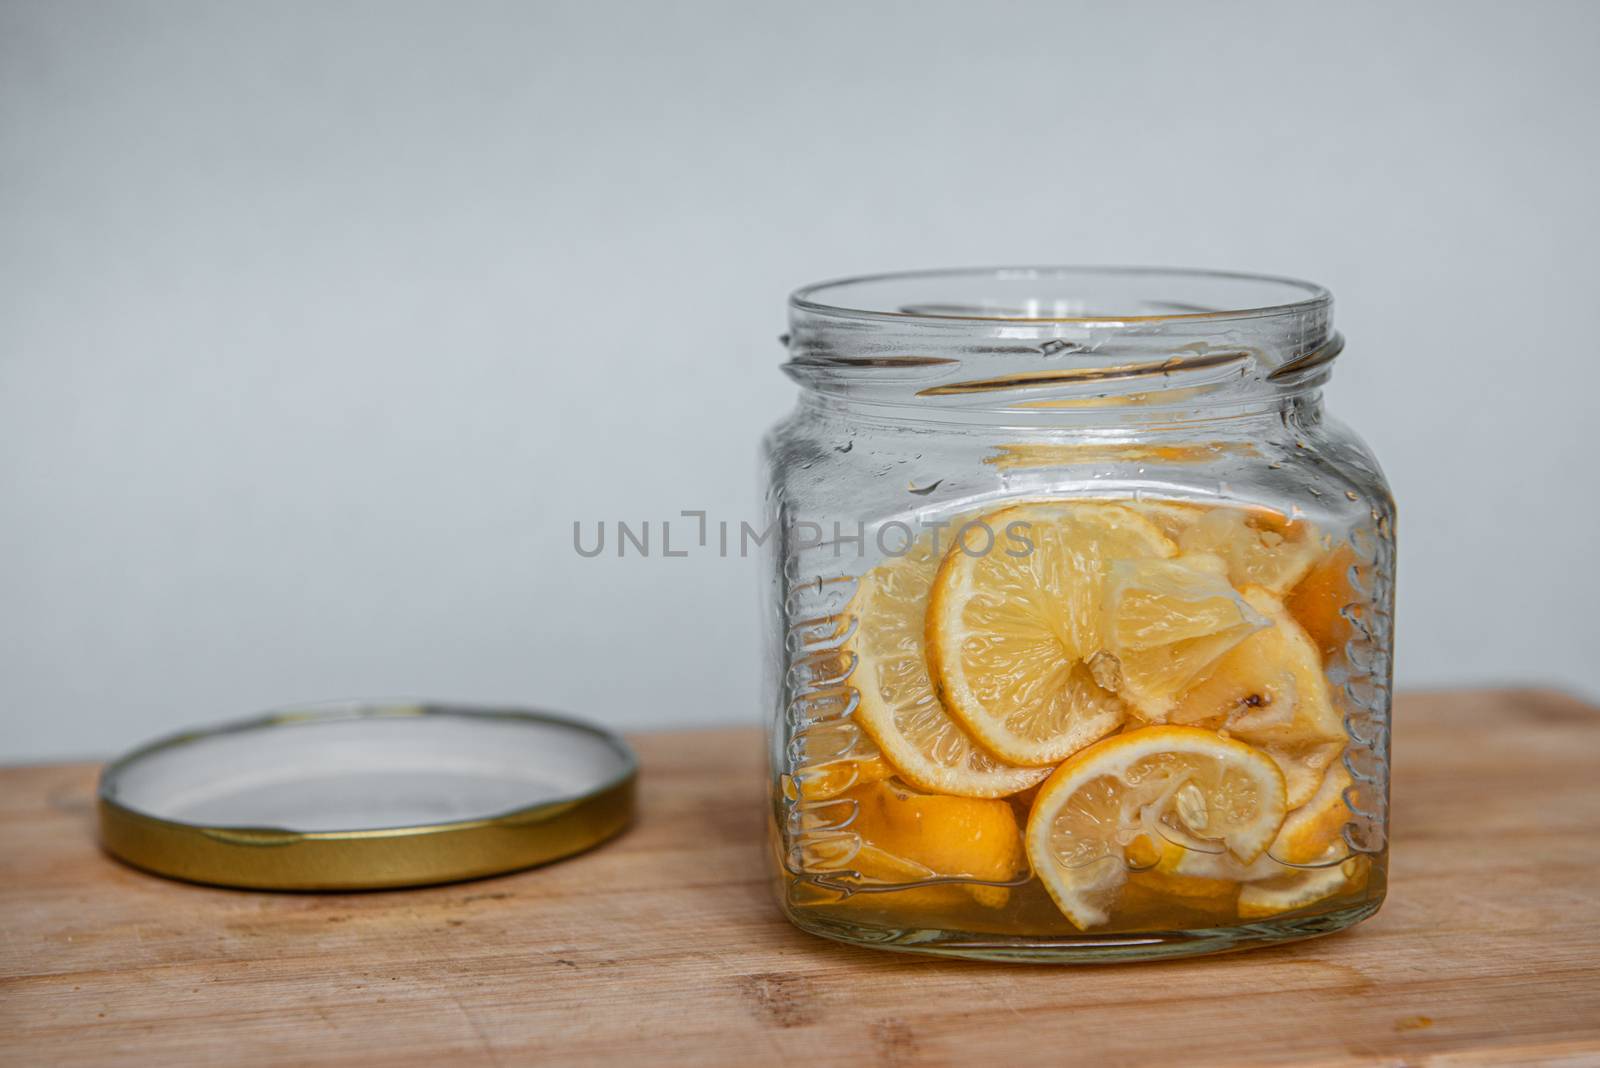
{"x":274,"y":858}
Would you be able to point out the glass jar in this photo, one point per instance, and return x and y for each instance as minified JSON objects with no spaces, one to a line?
{"x":1080,"y":615}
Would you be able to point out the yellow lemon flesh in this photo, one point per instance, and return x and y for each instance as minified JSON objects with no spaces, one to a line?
{"x":1310,"y":836}
{"x":1166,"y":622}
{"x":897,"y":706}
{"x":824,"y":780}
{"x":1261,"y":547}
{"x":1269,"y":690}
{"x":1299,"y":889}
{"x":1011,"y":631}
{"x":954,"y":836}
{"x":1160,"y":784}
{"x":908,"y":837}
{"x":1315,"y":827}
{"x":1322,"y":598}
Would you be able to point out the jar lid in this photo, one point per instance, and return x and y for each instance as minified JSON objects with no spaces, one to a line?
{"x":360,"y":796}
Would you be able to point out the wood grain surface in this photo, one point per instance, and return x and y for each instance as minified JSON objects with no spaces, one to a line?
{"x":666,"y":947}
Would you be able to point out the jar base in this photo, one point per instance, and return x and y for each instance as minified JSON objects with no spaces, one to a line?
{"x":1085,"y":948}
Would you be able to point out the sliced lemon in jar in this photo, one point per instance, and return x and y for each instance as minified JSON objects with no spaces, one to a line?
{"x":1162,"y":872}
{"x":1310,"y":835}
{"x":1191,"y":873}
{"x":1172,"y":518}
{"x":1314,"y":828}
{"x":878,"y":878}
{"x":977,"y":838}
{"x":1269,"y":690}
{"x":1319,"y":602}
{"x":897,"y":706}
{"x":821,"y":781}
{"x":1162,"y":784}
{"x":1302,"y":888}
{"x":1262,"y":547}
{"x":1166,"y":622}
{"x":1016,"y":615}
{"x":1304,"y":765}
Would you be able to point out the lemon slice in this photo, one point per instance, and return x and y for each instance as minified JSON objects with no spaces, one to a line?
{"x":953,"y":836}
{"x":1160,"y":784}
{"x":971,"y":836}
{"x":885,"y":838}
{"x":1262,"y":547}
{"x":1321,"y":599}
{"x":1310,"y":835}
{"x":1010,"y":633}
{"x":1172,"y":518}
{"x":821,"y":781}
{"x":1192,"y":873}
{"x":878,"y":878}
{"x":897,"y":707}
{"x":1304,"y":765}
{"x":1311,"y":830}
{"x":1301,"y":889}
{"x":1168,"y":872}
{"x":1269,"y":690}
{"x":1166,"y":622}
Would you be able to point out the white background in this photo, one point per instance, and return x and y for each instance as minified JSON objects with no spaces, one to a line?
{"x":320,"y":323}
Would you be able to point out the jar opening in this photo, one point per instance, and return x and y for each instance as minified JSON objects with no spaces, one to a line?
{"x":1013,"y":336}
{"x":1062,"y":294}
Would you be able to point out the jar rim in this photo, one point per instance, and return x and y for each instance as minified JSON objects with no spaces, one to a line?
{"x":1172,"y":294}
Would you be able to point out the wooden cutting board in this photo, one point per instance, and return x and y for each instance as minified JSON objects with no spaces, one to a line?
{"x":665,"y":947}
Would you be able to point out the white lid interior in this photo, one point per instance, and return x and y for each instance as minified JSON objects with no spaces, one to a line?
{"x":365,"y":768}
